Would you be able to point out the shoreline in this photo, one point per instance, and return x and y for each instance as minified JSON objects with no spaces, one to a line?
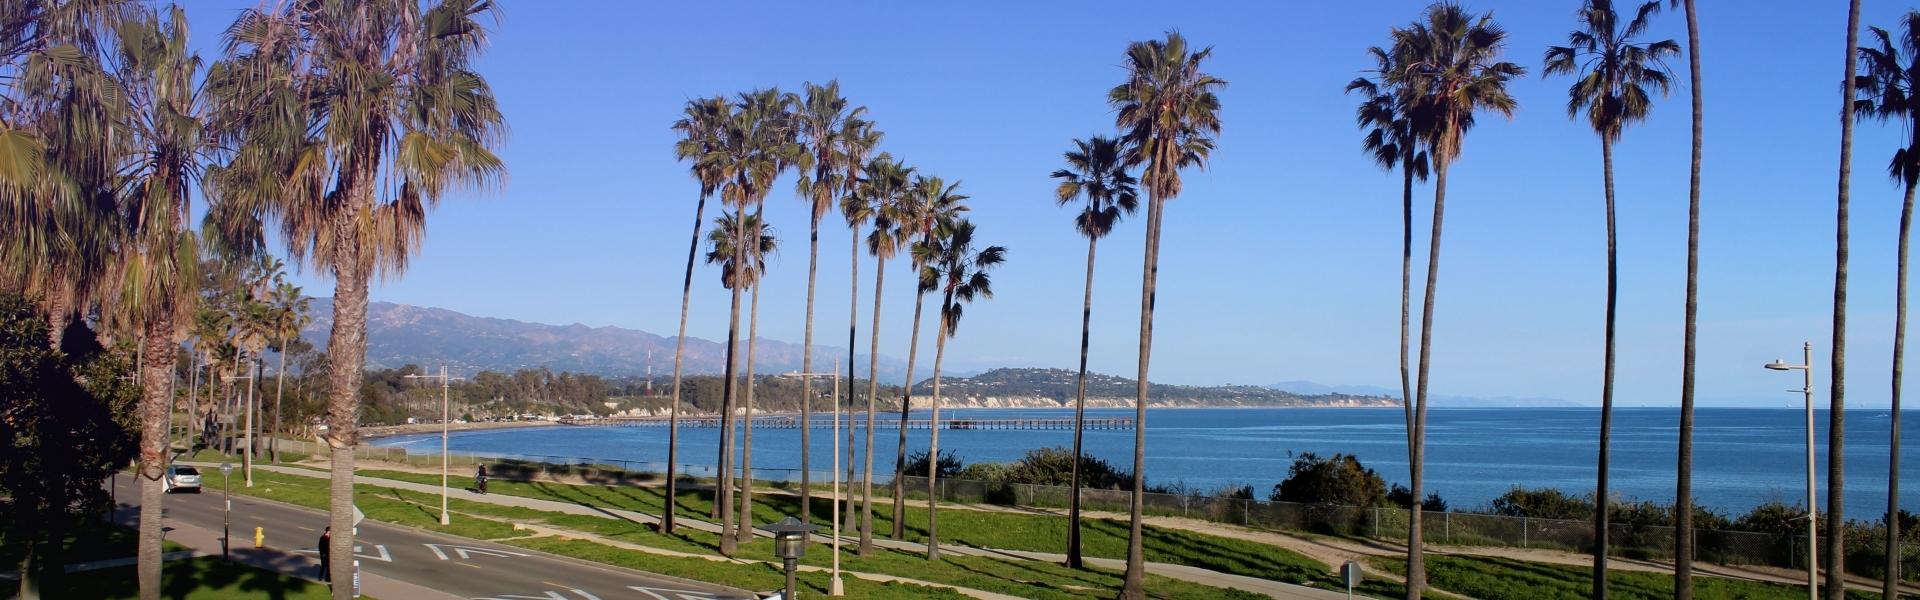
{"x":387,"y":431}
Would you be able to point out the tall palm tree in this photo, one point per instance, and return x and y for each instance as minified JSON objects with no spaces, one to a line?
{"x":823,"y":122}
{"x":1836,"y":412}
{"x":289,"y":318}
{"x":1683,"y":489}
{"x":928,"y":204}
{"x":886,"y":187}
{"x":1887,"y":93}
{"x":1452,"y":64}
{"x":160,"y":262}
{"x":1168,"y":113}
{"x":698,"y":140}
{"x":953,"y":265}
{"x":347,"y":122}
{"x":856,"y":205}
{"x":727,"y":251}
{"x":1097,"y":171}
{"x":1615,"y":75}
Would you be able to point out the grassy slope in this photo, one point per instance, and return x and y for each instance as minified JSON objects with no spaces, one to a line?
{"x":1488,"y":578}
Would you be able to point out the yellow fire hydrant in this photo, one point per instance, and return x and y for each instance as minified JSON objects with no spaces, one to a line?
{"x":259,"y":537}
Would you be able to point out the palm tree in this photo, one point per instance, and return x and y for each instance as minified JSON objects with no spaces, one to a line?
{"x":1887,"y":92}
{"x":1836,"y":413}
{"x":349,"y":170}
{"x":724,"y":250}
{"x":1168,"y":114}
{"x":1096,"y":170}
{"x":698,"y":141}
{"x":1683,"y":490}
{"x":1615,"y":75}
{"x":953,"y":266}
{"x":289,"y":318}
{"x":823,"y":122}
{"x":928,"y":204}
{"x":1452,"y":65}
{"x":858,"y":140}
{"x":1394,"y":131}
{"x":885,"y":189}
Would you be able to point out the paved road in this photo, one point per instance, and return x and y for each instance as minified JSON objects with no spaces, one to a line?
{"x":466,"y":568}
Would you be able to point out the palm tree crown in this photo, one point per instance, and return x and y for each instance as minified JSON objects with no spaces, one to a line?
{"x":1618,"y":72}
{"x":1452,"y":66}
{"x":1168,"y":111}
{"x":723,"y":250}
{"x":1096,"y":170}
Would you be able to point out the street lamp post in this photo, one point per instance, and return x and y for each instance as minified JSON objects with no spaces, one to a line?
{"x":444,"y":414}
{"x":834,"y":587}
{"x":246,"y":455}
{"x":1813,"y":527}
{"x":226,"y":515}
{"x":790,"y":544}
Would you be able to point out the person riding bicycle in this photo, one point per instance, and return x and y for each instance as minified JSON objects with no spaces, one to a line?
{"x":480,"y":479}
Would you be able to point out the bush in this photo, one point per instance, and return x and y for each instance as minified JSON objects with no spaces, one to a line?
{"x":1402,"y":497}
{"x":1054,"y":466}
{"x":1337,"y":480}
{"x":950,"y":465}
{"x":1542,"y":503}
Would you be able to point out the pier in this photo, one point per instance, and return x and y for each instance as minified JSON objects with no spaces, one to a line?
{"x":793,"y":422}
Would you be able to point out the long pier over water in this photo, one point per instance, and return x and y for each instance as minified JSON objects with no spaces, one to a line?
{"x":793,"y":422}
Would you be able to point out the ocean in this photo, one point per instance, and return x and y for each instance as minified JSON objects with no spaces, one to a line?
{"x":1742,"y":456}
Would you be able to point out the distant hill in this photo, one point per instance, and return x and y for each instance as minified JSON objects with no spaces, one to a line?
{"x":398,"y":334}
{"x":1052,"y":388}
{"x":1308,"y":387}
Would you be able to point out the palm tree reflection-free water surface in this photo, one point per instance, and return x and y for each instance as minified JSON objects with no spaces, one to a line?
{"x":1743,"y":456}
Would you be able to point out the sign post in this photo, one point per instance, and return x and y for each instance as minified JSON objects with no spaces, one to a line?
{"x":1352,"y":575}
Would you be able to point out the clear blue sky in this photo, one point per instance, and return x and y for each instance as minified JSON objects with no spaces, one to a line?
{"x":1280,"y":262}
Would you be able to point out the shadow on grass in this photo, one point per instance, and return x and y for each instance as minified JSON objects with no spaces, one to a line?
{"x":196,"y":578}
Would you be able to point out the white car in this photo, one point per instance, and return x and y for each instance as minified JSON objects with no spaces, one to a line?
{"x":181,"y":479}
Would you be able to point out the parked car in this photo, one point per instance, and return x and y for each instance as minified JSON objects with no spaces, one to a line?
{"x":181,"y":479}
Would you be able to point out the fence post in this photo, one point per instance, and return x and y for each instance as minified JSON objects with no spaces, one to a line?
{"x":1446,"y":521}
{"x":1245,"y":512}
{"x":1376,"y":523}
{"x":1523,"y":532}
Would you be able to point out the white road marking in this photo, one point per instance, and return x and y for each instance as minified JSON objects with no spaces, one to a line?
{"x":468,"y":552}
{"x":381,"y":547}
{"x":681,"y":594}
{"x":584,"y":594}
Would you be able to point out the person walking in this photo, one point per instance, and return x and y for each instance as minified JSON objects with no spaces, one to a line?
{"x":326,"y":544}
{"x":480,"y":479}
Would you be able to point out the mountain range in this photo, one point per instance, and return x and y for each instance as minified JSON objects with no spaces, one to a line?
{"x":1310,"y":388}
{"x":399,"y":334}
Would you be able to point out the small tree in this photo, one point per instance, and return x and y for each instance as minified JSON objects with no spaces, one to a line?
{"x":1340,"y":480}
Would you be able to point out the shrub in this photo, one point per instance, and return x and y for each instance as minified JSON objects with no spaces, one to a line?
{"x":1337,"y":480}
{"x":1054,"y":466}
{"x":950,"y":465}
{"x":1542,"y":503}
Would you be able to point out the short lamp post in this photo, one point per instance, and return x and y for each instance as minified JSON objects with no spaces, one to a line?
{"x":833,"y":583}
{"x":226,"y":515}
{"x":1813,"y":512}
{"x":445,"y":413}
{"x":790,"y":544}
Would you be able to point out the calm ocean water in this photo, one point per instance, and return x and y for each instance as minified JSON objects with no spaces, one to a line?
{"x":1742,"y":457}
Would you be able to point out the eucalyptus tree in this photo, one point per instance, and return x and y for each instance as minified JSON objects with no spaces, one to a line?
{"x":345,"y":123}
{"x":1097,"y":171}
{"x":742,"y":261}
{"x":1887,"y":93}
{"x":1168,"y":112}
{"x":957,"y":268}
{"x":1683,"y":488}
{"x":698,"y":129}
{"x":927,"y":205}
{"x":885,"y":189}
{"x":1452,"y":64}
{"x":1615,"y":75}
{"x":1836,"y":557}
{"x":161,"y":79}
{"x":1394,"y":128}
{"x":290,"y":316}
{"x":756,"y":142}
{"x":823,"y":123}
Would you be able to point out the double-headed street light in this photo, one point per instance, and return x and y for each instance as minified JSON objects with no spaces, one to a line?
{"x":226,"y":515}
{"x":444,"y":413}
{"x":1813,"y":533}
{"x":833,"y":583}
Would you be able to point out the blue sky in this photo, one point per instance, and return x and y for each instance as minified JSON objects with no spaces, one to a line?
{"x":1280,"y":262}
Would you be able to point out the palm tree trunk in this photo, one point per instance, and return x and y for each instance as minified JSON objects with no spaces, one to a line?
{"x":1079,"y":414}
{"x":906,"y":411}
{"x":1601,"y":501}
{"x":806,"y":382}
{"x":853,"y":326}
{"x":933,"y":446}
{"x":1683,"y":491}
{"x":193,"y":408}
{"x":59,"y":307}
{"x":679,"y":355}
{"x":1890,"y":585}
{"x":1836,"y":415}
{"x":873,"y":391}
{"x":745,"y":529}
{"x":155,"y":410}
{"x":1416,"y":536}
{"x":724,"y":495}
{"x":279,"y":388}
{"x":346,"y":348}
{"x":1134,"y":586}
{"x":1406,"y":295}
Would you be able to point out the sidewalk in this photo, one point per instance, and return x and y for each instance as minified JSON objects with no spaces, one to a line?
{"x":206,"y":542}
{"x":1273,"y":589}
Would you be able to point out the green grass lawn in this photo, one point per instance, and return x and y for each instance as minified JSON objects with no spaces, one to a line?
{"x":192,"y":579}
{"x":1488,"y":578}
